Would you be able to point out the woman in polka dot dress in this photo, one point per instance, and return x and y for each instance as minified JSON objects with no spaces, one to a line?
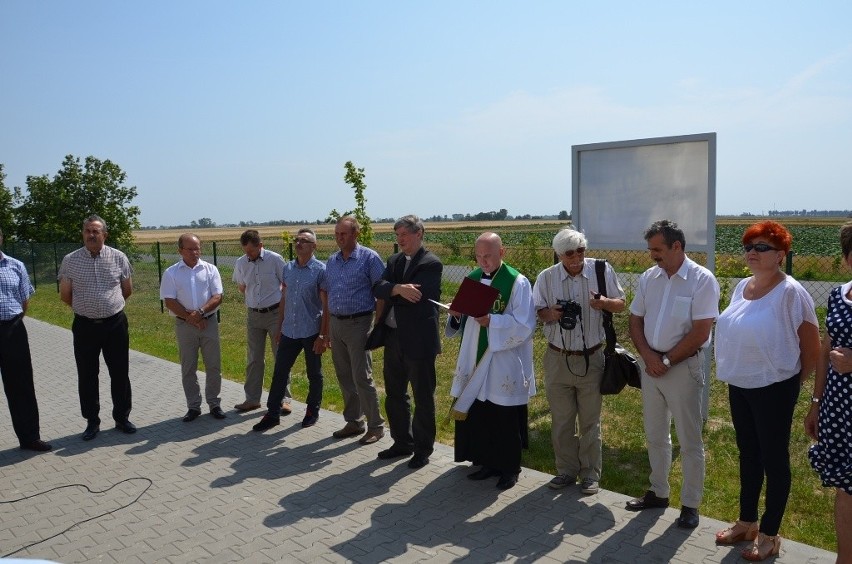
{"x":829,"y":420}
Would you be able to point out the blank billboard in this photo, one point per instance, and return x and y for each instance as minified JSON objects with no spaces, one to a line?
{"x":620,"y":188}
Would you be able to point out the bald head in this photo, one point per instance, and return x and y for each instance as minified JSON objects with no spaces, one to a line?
{"x":489,"y":252}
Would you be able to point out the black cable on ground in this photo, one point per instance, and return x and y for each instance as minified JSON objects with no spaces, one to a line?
{"x":138,"y":497}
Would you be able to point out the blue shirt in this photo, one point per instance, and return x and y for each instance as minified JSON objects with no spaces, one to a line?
{"x":350,"y":282}
{"x":15,"y":287}
{"x":302,"y":303}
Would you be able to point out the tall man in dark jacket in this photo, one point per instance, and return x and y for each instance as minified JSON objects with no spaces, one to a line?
{"x":412,"y":277}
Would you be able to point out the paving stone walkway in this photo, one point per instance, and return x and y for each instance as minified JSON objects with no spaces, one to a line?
{"x":215,"y":491}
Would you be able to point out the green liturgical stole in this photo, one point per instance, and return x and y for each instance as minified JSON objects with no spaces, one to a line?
{"x":503,"y":281}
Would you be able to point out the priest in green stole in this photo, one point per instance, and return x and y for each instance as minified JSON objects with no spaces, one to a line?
{"x":494,"y":376}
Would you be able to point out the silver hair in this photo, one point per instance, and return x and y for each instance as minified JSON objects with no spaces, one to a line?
{"x":568,"y":239}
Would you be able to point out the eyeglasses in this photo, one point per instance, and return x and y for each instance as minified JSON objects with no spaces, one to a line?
{"x":579,"y":251}
{"x":303,"y":241}
{"x":759,"y":247}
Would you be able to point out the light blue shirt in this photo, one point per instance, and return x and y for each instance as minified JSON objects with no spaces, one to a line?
{"x":15,"y":287}
{"x":350,"y":282}
{"x":302,"y":303}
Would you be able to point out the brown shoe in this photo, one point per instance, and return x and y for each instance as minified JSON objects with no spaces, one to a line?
{"x":371,"y":436}
{"x":286,"y":409}
{"x":351,"y":429}
{"x":247,"y":406}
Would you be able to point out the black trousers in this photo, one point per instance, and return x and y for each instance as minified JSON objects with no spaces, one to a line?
{"x":762,"y":419}
{"x":110,"y":337}
{"x":416,"y":434}
{"x":16,"y":368}
{"x":493,"y":436}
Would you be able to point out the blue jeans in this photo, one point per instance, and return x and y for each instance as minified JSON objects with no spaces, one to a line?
{"x":285,"y":356}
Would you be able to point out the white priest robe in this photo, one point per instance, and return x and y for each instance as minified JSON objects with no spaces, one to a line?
{"x":505,"y":374}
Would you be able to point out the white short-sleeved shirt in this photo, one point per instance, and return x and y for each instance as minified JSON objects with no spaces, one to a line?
{"x":757,"y":341}
{"x":669,"y":305}
{"x":191,"y":287}
{"x":262,"y":277}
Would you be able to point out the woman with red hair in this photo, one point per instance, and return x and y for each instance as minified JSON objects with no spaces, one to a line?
{"x":767,"y":342}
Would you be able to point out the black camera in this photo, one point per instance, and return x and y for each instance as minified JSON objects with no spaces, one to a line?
{"x":571,"y":312}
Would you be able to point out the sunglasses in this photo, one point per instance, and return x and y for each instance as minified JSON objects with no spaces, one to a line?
{"x":303,"y":241}
{"x":579,"y":251}
{"x":759,"y":247}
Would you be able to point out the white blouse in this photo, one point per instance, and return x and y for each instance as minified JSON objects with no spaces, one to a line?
{"x":757,"y":341}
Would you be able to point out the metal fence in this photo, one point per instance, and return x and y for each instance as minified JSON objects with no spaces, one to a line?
{"x":818,"y":273}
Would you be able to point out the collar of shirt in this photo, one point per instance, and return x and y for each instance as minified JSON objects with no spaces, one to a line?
{"x":683,"y":271}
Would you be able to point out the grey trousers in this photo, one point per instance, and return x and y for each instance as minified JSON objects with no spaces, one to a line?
{"x":354,"y":368}
{"x":259,"y":328}
{"x":190,"y":340}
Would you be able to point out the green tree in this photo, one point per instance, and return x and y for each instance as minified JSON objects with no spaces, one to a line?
{"x":7,"y":217}
{"x":355,"y":178}
{"x":53,"y":210}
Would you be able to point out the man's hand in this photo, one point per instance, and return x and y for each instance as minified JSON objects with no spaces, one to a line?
{"x":410,"y":292}
{"x":319,"y":345}
{"x":654,"y":365}
{"x":484,"y":321}
{"x":550,"y":314}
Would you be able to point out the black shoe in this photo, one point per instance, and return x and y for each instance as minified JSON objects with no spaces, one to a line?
{"x":37,"y":445}
{"x":311,"y":417}
{"x":507,"y":480}
{"x":217,"y":412}
{"x":393,"y":452}
{"x":418,"y":461}
{"x":92,"y":430}
{"x":125,"y":427}
{"x":483,"y":474}
{"x":191,"y":415}
{"x":688,"y":517}
{"x":648,"y":501}
{"x":268,"y":422}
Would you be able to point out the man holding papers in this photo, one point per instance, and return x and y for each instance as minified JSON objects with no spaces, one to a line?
{"x":494,"y":375}
{"x":411,"y":279}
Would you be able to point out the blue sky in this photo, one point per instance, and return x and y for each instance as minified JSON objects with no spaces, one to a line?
{"x":248,"y":110}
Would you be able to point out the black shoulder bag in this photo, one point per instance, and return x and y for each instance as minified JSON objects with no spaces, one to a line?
{"x":620,"y":367}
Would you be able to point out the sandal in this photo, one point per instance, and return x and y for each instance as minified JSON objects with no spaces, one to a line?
{"x":762,"y":548}
{"x":739,"y":531}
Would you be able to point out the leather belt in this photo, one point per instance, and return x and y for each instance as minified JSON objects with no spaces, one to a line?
{"x":661,"y":353}
{"x":574,"y":353}
{"x":205,"y":317}
{"x":94,"y":320}
{"x":354,"y":315}
{"x":12,"y":320}
{"x":273,"y":307}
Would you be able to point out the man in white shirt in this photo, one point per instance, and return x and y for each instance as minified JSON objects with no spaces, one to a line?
{"x":671,"y":317}
{"x":192,"y":291}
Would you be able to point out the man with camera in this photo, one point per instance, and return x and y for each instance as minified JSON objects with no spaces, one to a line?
{"x":569,"y":303}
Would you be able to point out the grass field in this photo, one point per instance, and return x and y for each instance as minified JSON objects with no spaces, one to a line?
{"x":809,"y":516}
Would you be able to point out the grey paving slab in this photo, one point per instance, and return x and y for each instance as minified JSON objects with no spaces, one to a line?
{"x":215,"y":491}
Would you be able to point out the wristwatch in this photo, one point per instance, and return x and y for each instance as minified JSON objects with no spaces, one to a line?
{"x":815,"y":399}
{"x":666,"y":361}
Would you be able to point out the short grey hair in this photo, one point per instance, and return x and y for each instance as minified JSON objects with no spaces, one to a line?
{"x":568,"y":239}
{"x":93,"y":218}
{"x":411,"y":223}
